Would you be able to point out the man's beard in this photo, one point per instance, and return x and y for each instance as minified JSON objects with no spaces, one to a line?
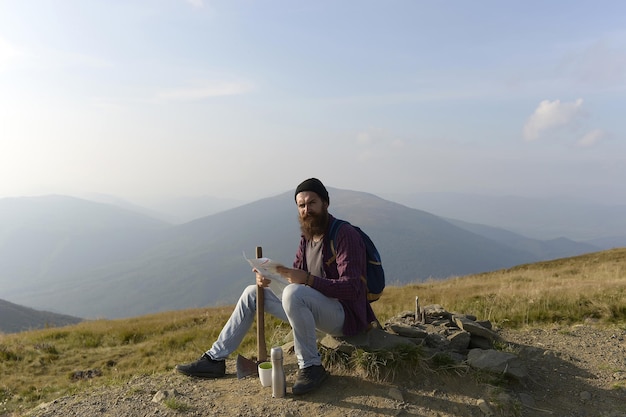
{"x":314,"y":224}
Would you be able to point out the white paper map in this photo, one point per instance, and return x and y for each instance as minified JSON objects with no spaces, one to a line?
{"x":268,"y":269}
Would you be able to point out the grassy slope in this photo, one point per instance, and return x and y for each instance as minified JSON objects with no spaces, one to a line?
{"x":37,"y":366}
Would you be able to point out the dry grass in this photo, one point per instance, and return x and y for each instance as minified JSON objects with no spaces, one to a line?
{"x":377,"y":365}
{"x":38,"y":366}
{"x":568,"y":290}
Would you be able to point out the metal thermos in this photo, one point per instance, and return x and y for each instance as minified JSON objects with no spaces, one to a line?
{"x":279,"y":383}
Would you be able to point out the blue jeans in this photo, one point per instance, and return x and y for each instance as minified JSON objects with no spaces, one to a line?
{"x":306,"y":310}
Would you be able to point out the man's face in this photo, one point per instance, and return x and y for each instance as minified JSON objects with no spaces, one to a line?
{"x":313,"y":213}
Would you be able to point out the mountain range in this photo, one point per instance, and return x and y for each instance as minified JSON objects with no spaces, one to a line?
{"x":92,"y":260}
{"x":595,"y":222}
{"x":16,"y":318}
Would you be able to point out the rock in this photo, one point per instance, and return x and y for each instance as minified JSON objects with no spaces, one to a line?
{"x":335,"y":343}
{"x":484,"y":407}
{"x":467,"y":316}
{"x":88,"y":374}
{"x":485,"y":323}
{"x":585,"y":396}
{"x":526,"y":400}
{"x":407,"y":331}
{"x":437,"y":341}
{"x":407,"y":314}
{"x":396,"y":394}
{"x":459,"y":341}
{"x":504,"y":399}
{"x":479,"y":342}
{"x":459,"y":336}
{"x":374,"y":339}
{"x":162,"y":395}
{"x":435,"y":310}
{"x":475,"y":329}
{"x":288,"y":347}
{"x":497,"y":362}
{"x":380,"y":339}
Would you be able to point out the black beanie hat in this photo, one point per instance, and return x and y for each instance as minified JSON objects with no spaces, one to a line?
{"x":315,"y":185}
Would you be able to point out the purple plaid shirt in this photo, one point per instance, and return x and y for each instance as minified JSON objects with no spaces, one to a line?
{"x":344,"y":277}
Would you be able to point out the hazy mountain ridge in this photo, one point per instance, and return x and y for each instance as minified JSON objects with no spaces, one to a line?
{"x":598,"y":223}
{"x":154,"y":266}
{"x":17,"y":318}
{"x":175,"y":210}
{"x":185,"y":209}
{"x":43,"y":238}
{"x":547,"y":249}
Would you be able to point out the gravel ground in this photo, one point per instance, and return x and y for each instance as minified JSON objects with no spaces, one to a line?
{"x":577,"y":371}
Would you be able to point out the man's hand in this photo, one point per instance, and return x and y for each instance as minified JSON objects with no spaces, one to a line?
{"x":294,"y":276}
{"x":261,"y":281}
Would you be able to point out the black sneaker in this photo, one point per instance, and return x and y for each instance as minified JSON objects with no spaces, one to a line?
{"x":205,"y":367}
{"x":308,"y":379}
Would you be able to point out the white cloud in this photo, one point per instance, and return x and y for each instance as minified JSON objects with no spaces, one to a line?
{"x":205,"y":90}
{"x":591,"y":138}
{"x":552,"y":115}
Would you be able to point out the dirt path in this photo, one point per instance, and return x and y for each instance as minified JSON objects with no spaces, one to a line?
{"x":574,"y":372}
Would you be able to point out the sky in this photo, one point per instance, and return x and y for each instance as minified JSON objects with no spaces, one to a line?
{"x":154,"y":99}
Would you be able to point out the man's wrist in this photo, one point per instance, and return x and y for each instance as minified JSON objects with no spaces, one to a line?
{"x":309,"y":279}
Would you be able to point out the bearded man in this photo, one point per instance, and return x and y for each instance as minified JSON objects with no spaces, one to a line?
{"x":326,"y":292}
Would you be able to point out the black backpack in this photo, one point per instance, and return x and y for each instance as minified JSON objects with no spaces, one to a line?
{"x":375,"y":274}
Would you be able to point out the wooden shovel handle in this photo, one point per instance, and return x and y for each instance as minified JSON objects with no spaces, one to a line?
{"x":260,"y":317}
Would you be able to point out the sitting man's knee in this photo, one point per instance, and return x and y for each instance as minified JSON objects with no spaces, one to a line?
{"x":250,"y":289}
{"x":291,"y":293}
{"x":249,"y":294}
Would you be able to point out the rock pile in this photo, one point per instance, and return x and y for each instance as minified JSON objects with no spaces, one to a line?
{"x":88,"y":374}
{"x":461,"y":337}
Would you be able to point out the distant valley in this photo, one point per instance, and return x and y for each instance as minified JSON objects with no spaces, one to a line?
{"x":93,"y":260}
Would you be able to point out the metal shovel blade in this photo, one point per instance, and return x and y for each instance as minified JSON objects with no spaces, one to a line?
{"x":246,"y":367}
